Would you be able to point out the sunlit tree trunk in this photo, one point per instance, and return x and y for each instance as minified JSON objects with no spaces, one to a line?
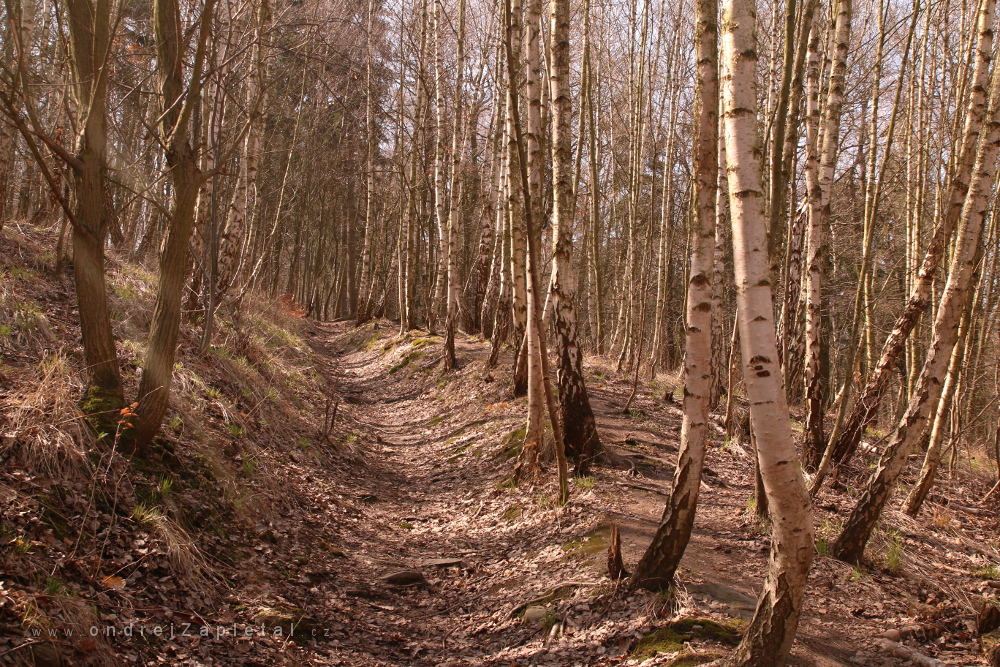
{"x":659,"y":563}
{"x":364,"y":296}
{"x":535,"y":328}
{"x":458,"y":149}
{"x":932,"y":457}
{"x":768,"y":638}
{"x":820,"y":189}
{"x":90,"y":35}
{"x":850,"y":545}
{"x":180,"y":90}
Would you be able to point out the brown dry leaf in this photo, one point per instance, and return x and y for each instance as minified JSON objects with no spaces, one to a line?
{"x":114,"y":583}
{"x":87,"y":645}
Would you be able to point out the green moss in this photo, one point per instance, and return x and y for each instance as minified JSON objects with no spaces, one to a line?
{"x":287,"y":621}
{"x":988,"y":571}
{"x":507,"y":482}
{"x":54,"y":587}
{"x":594,"y":542}
{"x":460,"y":449}
{"x":512,"y":443}
{"x":412,"y":355}
{"x":671,"y":638}
{"x":690,"y":659}
{"x":419,"y":343}
{"x":101,"y":408}
{"x":513,"y":512}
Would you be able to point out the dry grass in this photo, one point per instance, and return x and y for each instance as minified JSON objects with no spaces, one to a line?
{"x":48,"y":432}
{"x":57,"y":619}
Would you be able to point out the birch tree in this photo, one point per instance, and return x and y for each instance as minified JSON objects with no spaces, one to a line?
{"x":659,"y":563}
{"x":768,"y":638}
{"x":576,"y":416}
{"x":850,"y":544}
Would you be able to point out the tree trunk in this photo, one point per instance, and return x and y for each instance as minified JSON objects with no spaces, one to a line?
{"x":932,"y":458}
{"x":364,"y":297}
{"x":534,"y":323}
{"x":820,"y":189}
{"x":869,"y":399}
{"x":659,"y":563}
{"x":186,"y":179}
{"x":458,"y":149}
{"x":850,"y":545}
{"x":576,"y":415}
{"x":768,"y":638}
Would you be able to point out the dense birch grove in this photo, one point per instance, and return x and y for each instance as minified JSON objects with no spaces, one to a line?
{"x":782,"y":209}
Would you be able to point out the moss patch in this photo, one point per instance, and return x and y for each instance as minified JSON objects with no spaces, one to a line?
{"x":671,"y":637}
{"x":101,"y":409}
{"x":587,"y":546}
{"x":690,"y":659}
{"x":287,"y":621}
{"x":512,"y":443}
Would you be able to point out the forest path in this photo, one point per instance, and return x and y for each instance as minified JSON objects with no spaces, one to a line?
{"x":430,"y":451}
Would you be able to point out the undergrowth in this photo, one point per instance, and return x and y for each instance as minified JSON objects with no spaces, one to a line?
{"x":81,"y":520}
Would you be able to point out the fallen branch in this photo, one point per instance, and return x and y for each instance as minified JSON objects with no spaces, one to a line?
{"x":642,"y":487}
{"x":907,"y":653}
{"x":990,"y":493}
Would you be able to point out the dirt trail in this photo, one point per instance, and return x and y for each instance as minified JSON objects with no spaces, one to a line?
{"x":420,"y":498}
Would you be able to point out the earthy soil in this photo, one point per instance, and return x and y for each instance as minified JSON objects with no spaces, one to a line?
{"x":354,"y":507}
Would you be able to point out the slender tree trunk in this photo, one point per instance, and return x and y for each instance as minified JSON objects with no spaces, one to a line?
{"x":518,"y":252}
{"x":820,"y":191}
{"x":850,"y":545}
{"x":440,"y":175}
{"x":659,"y":563}
{"x":233,"y":241}
{"x":576,"y":415}
{"x":866,"y":406}
{"x":768,"y":638}
{"x":458,"y":149}
{"x":534,"y":323}
{"x":364,"y":295}
{"x":932,"y":458}
{"x":180,"y":95}
{"x":90,"y":34}
{"x":593,"y":158}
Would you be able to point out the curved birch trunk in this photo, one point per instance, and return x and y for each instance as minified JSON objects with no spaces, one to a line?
{"x":932,"y":458}
{"x":869,"y":399}
{"x":850,"y":545}
{"x":659,"y":563}
{"x":768,"y":639}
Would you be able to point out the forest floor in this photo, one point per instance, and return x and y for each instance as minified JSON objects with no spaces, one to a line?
{"x":326,"y":495}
